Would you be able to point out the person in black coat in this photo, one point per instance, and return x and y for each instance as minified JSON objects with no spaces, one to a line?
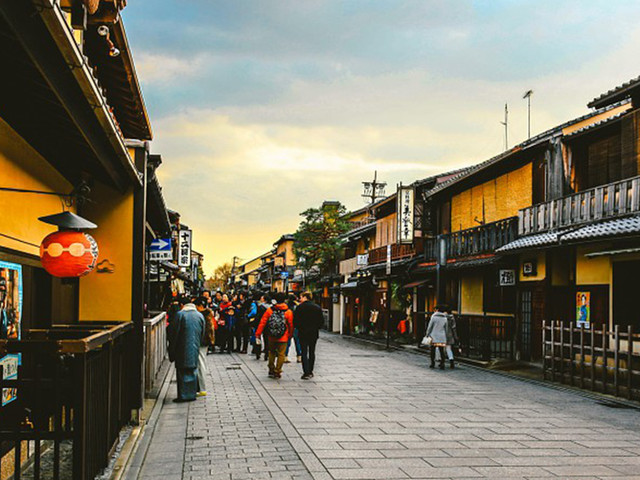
{"x":308,"y":319}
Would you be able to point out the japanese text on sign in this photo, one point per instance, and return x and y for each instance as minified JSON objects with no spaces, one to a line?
{"x":405,"y":214}
{"x":184,"y":248}
{"x":507,"y":278}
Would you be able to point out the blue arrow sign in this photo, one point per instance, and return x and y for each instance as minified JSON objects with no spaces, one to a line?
{"x":160,"y":245}
{"x":160,"y":249}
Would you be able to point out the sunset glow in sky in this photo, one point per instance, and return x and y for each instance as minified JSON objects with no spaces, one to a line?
{"x":264,"y":108}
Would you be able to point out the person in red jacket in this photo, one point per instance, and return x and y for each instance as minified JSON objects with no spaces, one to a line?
{"x":277,"y":323}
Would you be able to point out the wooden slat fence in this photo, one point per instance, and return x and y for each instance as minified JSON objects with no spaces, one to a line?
{"x":596,"y":359}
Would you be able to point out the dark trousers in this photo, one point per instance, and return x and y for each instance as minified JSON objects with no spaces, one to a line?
{"x":308,"y":352}
{"x":245,"y":330}
{"x":237,"y":336}
{"x":433,"y":355}
{"x":187,"y":379}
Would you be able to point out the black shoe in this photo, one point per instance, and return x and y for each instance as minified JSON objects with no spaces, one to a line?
{"x":305,"y":377}
{"x":452,"y":364}
{"x":272,"y":375}
{"x":183,"y":400}
{"x":442,"y":366}
{"x":433,"y":365}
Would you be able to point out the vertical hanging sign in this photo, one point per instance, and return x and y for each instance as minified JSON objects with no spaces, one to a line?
{"x":405,"y":214}
{"x":184,"y":248}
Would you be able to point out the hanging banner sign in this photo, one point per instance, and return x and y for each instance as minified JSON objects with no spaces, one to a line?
{"x":405,"y":212}
{"x":388,"y":260}
{"x":10,"y":322}
{"x":362,"y":260}
{"x":160,"y":249}
{"x":184,"y":248}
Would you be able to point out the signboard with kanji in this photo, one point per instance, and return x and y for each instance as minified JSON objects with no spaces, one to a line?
{"x":405,"y":214}
{"x":184,"y":248}
{"x":160,"y":249}
{"x":507,"y":278}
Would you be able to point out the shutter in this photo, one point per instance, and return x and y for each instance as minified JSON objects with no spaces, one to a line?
{"x":597,"y":168}
{"x":628,"y":146}
{"x":614,"y":158}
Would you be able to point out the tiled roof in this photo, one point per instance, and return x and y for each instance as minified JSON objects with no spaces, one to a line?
{"x":531,"y":241}
{"x":610,"y":228}
{"x":533,"y":141}
{"x":475,"y":262}
{"x":615,"y":94}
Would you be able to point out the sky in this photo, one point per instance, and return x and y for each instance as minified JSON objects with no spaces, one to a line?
{"x":263,"y":108}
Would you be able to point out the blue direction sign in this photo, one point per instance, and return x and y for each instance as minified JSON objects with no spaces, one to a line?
{"x":160,"y":249}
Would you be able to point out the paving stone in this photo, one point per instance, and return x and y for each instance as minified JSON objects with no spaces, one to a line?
{"x":386,"y":415}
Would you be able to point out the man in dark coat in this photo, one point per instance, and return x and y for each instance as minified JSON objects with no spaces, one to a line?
{"x":308,"y":320}
{"x":186,"y":334}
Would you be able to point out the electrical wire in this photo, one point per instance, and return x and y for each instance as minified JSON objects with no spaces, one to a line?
{"x":18,"y":240}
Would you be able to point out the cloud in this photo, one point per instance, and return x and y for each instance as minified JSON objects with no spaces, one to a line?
{"x":264,"y":108}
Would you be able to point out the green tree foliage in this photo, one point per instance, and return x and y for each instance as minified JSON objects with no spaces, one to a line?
{"x":317,"y":240}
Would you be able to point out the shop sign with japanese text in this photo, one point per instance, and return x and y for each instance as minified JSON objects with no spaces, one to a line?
{"x":507,"y":278}
{"x":184,"y":248}
{"x":405,"y":214}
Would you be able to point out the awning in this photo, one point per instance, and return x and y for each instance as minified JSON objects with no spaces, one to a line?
{"x":472,"y":262}
{"x":349,"y":285}
{"x":416,"y":283}
{"x":531,"y":241}
{"x":611,"y":228}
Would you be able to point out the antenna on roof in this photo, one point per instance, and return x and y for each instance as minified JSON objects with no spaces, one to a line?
{"x":373,"y":190}
{"x":506,"y":127}
{"x":527,"y":95}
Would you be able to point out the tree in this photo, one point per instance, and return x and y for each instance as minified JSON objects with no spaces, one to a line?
{"x":316,"y":242}
{"x":220,"y":278}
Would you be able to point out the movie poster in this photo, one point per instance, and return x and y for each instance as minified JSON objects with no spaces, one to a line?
{"x":583,"y":309}
{"x":10,"y":320}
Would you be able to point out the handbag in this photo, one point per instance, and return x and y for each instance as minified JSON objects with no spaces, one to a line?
{"x":426,"y":341}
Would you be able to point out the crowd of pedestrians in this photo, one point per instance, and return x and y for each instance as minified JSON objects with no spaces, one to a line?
{"x":258,"y":324}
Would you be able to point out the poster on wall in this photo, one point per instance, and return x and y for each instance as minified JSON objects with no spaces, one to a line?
{"x":583,"y":309}
{"x":10,"y":321}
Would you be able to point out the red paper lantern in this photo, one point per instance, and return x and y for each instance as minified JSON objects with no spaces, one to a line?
{"x":68,"y":253}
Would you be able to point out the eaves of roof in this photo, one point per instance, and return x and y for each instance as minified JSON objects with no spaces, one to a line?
{"x":594,"y":126}
{"x":616,"y":94}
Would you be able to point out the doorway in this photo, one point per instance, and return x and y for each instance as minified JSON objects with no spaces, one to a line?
{"x":625,"y":291}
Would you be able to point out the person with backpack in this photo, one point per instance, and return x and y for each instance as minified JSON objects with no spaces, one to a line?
{"x":437,"y":330}
{"x":277,"y":324}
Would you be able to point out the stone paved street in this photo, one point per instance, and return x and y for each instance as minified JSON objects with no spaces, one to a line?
{"x":372,"y":414}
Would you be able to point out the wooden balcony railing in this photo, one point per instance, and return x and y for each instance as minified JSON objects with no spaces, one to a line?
{"x":75,"y":390}
{"x":607,"y":201}
{"x":474,"y":241}
{"x":398,"y":252}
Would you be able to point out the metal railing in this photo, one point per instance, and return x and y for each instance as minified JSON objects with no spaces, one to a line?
{"x":398,"y":252}
{"x":73,"y":394}
{"x":597,"y":359}
{"x":606,"y":201}
{"x":155,"y":348}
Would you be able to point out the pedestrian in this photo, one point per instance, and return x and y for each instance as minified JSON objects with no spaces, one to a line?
{"x":452,"y":336}
{"x":437,"y":331}
{"x":258,"y":308}
{"x":210,"y":323}
{"x":277,"y":323}
{"x":308,"y":320}
{"x":186,"y":333}
{"x":223,"y":339}
{"x":292,"y":303}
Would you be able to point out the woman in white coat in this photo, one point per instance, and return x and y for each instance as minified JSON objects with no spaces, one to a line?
{"x":437,"y":331}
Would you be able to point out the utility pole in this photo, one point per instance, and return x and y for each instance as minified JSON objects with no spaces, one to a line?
{"x":527,"y":95}
{"x":506,"y":127}
{"x":373,"y":190}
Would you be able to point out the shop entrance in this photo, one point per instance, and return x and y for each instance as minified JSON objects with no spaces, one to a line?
{"x":625,"y":291}
{"x":526,"y":311}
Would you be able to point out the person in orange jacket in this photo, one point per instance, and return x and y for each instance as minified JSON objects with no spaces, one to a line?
{"x":277,"y":323}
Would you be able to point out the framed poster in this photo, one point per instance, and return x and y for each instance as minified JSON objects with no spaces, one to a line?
{"x":583,"y":309}
{"x":10,"y":321}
